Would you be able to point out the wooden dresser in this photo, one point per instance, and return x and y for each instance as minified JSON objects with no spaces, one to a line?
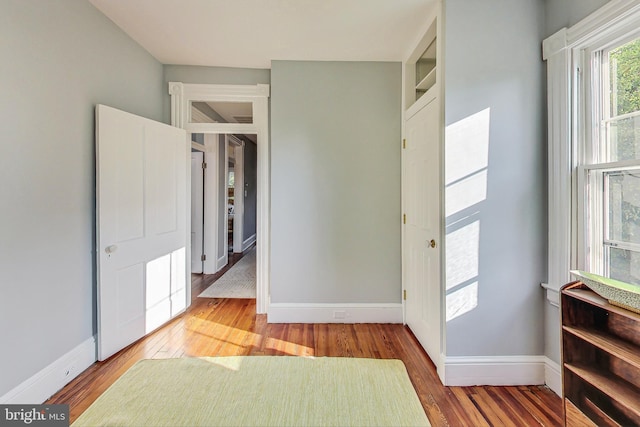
{"x":600,"y":360}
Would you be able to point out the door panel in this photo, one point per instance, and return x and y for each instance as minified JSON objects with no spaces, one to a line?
{"x":163,"y":192}
{"x":141,"y":178}
{"x":421,"y":191}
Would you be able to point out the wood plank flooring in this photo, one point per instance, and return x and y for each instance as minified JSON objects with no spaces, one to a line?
{"x":225,"y":327}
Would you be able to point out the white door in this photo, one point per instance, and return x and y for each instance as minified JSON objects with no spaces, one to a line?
{"x":223,"y":203}
{"x":238,"y":200}
{"x":197,"y":210}
{"x":142,"y":184}
{"x":421,"y":192}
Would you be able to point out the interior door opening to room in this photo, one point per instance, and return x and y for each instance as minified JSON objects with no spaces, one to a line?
{"x":142,"y":182}
{"x":218,"y":110}
{"x":224,"y":198}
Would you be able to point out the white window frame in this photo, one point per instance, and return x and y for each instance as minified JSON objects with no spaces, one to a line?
{"x":594,"y":163}
{"x":570,"y":143}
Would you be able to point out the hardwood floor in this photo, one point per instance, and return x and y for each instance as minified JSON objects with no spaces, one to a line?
{"x":224,"y":327}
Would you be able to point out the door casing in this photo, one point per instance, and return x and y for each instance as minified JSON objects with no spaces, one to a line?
{"x":197,"y":210}
{"x":182,"y":95}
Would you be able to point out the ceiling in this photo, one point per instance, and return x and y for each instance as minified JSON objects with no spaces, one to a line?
{"x":251,"y":33}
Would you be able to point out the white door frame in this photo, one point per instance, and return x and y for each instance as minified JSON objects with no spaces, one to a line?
{"x":409,"y":108}
{"x":215,"y":210}
{"x":197,"y":209}
{"x":238,"y":202}
{"x":181,"y":97}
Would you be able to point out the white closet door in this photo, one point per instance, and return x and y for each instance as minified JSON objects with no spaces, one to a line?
{"x":142,"y":185}
{"x":422,"y":209}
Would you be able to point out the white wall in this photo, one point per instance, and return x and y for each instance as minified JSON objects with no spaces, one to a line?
{"x":496,"y":177}
{"x":335,"y":182}
{"x":59,"y":58}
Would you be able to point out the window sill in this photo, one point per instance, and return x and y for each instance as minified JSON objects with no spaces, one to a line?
{"x":553,"y":294}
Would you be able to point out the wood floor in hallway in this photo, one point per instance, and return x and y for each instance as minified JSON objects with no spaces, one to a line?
{"x":225,"y":327}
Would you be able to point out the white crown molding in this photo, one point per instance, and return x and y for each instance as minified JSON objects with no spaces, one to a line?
{"x":334,"y":313}
{"x":41,"y":386}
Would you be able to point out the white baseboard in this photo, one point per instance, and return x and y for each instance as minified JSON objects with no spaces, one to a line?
{"x":44,"y":384}
{"x":553,"y":376}
{"x":334,"y":313}
{"x":440,"y":367}
{"x":494,"y":370}
{"x":221,"y":263}
{"x":248,"y":242}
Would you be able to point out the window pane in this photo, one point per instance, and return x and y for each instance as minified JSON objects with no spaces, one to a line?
{"x":624,"y":75}
{"x":221,"y":112}
{"x":624,"y":206}
{"x":623,"y":134}
{"x":624,"y":265}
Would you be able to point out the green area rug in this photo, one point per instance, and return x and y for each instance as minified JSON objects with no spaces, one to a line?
{"x":259,"y":391}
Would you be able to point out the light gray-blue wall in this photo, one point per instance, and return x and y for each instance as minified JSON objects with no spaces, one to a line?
{"x":59,"y":59}
{"x":565,"y":13}
{"x":495,"y":98}
{"x":335,"y":182}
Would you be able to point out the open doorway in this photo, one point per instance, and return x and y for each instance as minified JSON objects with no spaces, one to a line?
{"x":191,"y":106}
{"x":242,"y":192}
{"x":224,"y":199}
{"x":224,"y":212}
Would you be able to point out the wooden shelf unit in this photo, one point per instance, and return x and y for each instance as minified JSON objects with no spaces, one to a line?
{"x":600,"y":360}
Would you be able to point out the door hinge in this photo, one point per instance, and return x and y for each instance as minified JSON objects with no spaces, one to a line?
{"x":204,"y":165}
{"x":203,"y":257}
{"x":404,"y":143}
{"x":404,"y":295}
{"x":404,"y":218}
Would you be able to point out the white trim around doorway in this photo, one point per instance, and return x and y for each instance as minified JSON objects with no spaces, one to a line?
{"x":182,"y":95}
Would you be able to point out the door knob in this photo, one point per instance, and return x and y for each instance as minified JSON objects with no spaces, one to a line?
{"x":432,"y":243}
{"x":111,"y":249}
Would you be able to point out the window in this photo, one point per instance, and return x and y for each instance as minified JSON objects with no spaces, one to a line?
{"x":609,"y":146}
